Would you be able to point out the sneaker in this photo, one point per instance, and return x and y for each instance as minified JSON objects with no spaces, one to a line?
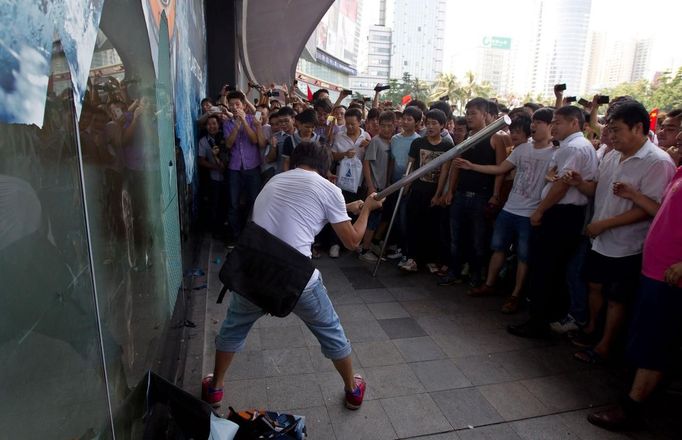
{"x":511,"y":305}
{"x":433,"y":267}
{"x":376,"y":248}
{"x":567,"y":324}
{"x":354,"y":398}
{"x":334,"y":251}
{"x":210,"y":395}
{"x":410,"y":266}
{"x":395,"y":254}
{"x":402,"y":261}
{"x":449,"y":280}
{"x":368,"y":257}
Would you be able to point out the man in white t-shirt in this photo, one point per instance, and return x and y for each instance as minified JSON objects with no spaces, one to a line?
{"x":618,"y":227}
{"x":295,"y":206}
{"x":558,"y":223}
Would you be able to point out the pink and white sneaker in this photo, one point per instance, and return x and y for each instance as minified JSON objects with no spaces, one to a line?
{"x":210,"y":395}
{"x":354,"y":398}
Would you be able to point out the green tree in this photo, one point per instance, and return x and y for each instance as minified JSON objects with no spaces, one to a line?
{"x":446,"y":84}
{"x":664,"y":93}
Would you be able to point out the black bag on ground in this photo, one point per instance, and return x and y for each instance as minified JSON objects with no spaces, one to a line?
{"x":266,"y":271}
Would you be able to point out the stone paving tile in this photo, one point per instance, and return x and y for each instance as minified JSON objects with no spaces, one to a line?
{"x":409,"y":293}
{"x":321,"y":364}
{"x":331,"y":386}
{"x":370,"y":296}
{"x":369,"y":423}
{"x":244,"y":394}
{"x":544,"y":428}
{"x":366,"y":331}
{"x":401,"y":328}
{"x":513,"y":401}
{"x":287,"y":361}
{"x":299,"y":391}
{"x":317,"y":422}
{"x":503,"y":431}
{"x":558,"y":393}
{"x":280,"y":337}
{"x":452,"y":435}
{"x":388,"y":310}
{"x":419,"y":349}
{"x":377,"y":353}
{"x":247,"y":365}
{"x":466,"y":407}
{"x":393,"y":381}
{"x":361,"y":278}
{"x":415,"y":415}
{"x":439,"y":375}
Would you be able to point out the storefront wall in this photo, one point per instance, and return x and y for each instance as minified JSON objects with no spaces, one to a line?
{"x":98,"y":100}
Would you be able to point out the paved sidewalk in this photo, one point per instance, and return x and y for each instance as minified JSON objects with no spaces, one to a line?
{"x":439,"y":365}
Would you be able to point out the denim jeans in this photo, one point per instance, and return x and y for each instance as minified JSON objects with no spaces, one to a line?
{"x":313,"y":307}
{"x":469,"y":231}
{"x":247,"y":181}
{"x":577,"y":285}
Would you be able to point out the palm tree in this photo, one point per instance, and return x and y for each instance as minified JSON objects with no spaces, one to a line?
{"x":446,"y":84}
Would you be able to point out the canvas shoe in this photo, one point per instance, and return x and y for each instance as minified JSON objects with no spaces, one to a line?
{"x":210,"y":395}
{"x":368,"y":257}
{"x":565,"y":325}
{"x":354,"y":398}
{"x":410,"y":266}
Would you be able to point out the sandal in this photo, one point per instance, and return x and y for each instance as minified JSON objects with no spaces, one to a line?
{"x":589,"y":356}
{"x":511,"y":305}
{"x":585,"y":340}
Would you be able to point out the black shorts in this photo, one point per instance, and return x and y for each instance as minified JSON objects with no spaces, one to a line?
{"x":618,"y":276}
{"x":656,"y":328}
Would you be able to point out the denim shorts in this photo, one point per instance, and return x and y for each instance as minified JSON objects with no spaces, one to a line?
{"x":512,"y":229}
{"x":313,"y":307}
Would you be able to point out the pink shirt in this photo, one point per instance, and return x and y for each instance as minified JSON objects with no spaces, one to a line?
{"x":663,"y":244}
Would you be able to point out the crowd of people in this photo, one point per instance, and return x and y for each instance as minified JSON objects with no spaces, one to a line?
{"x":573,"y":208}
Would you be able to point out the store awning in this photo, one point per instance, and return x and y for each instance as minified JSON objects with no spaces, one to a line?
{"x":272,"y":36}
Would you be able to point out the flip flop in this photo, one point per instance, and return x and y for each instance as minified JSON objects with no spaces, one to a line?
{"x":589,"y":356}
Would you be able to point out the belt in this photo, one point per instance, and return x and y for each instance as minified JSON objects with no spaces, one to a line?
{"x":471,"y":194}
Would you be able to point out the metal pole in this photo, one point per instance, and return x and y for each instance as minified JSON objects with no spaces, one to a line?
{"x":448,"y":155}
{"x":390,"y":224}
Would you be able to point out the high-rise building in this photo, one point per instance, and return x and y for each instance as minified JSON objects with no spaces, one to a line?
{"x":494,"y":64}
{"x":418,"y":38}
{"x":642,"y":57}
{"x":376,"y":53}
{"x":331,"y":56}
{"x":561,"y":45}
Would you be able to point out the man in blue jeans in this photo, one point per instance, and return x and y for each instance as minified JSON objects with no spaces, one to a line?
{"x":244,"y":138}
{"x":295,"y":206}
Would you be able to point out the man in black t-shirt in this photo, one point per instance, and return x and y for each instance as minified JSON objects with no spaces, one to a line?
{"x":426,"y":193}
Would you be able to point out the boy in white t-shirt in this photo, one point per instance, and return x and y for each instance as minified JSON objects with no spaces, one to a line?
{"x":531,"y":161}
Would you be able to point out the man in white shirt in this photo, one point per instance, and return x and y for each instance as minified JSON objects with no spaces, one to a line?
{"x":618,"y":227}
{"x":558,"y":222}
{"x":294,"y":206}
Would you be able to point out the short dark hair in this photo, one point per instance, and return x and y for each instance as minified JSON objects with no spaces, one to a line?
{"x":521,"y":122}
{"x":373,"y":113}
{"x":414,"y":112}
{"x":354,"y":112}
{"x":209,"y":100}
{"x":631,"y":113}
{"x":318,"y":92}
{"x":307,"y":116}
{"x":442,"y":106}
{"x":236,"y":94}
{"x":533,"y":106}
{"x":261,"y":105}
{"x":544,"y":115}
{"x":217,"y":119}
{"x":479,"y":104}
{"x":286,"y":111}
{"x":493,"y":109}
{"x":273,"y":115}
{"x":313,"y":155}
{"x":461,"y":120}
{"x":674,"y":114}
{"x":518,"y":111}
{"x":437,"y":115}
{"x":419,"y":104}
{"x":571,"y":112}
{"x":323,"y":103}
{"x":387,"y":116}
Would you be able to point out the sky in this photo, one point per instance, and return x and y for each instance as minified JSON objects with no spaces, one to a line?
{"x":468,"y":22}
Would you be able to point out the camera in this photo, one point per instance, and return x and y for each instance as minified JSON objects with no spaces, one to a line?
{"x":379,"y":87}
{"x":560,"y":87}
{"x":602,"y":99}
{"x":347,"y":91}
{"x":570,"y":99}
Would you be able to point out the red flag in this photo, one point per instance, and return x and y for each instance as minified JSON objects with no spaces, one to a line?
{"x":406,"y":99}
{"x":310,"y":94}
{"x":653,"y":119}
